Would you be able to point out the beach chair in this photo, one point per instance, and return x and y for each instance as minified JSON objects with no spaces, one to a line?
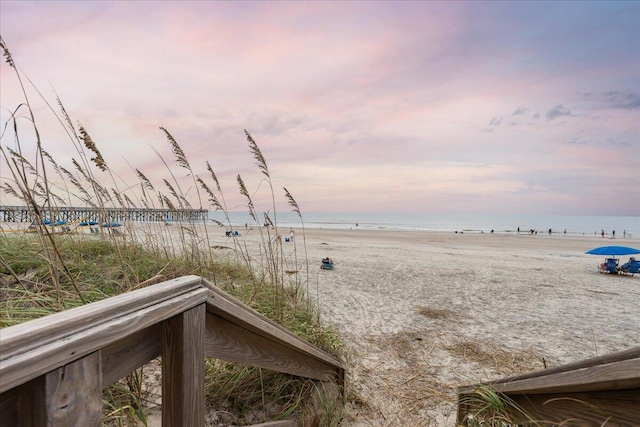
{"x":632,"y":267}
{"x":610,"y":266}
{"x":327,"y":264}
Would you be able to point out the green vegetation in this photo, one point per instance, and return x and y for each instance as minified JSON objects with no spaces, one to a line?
{"x":490,"y":408}
{"x":47,"y":271}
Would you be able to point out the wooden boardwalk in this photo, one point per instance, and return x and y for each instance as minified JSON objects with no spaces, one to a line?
{"x":26,"y":214}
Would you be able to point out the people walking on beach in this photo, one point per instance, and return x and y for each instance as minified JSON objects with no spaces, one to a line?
{"x":602,"y":232}
{"x":613,"y":233}
{"x":291,"y":234}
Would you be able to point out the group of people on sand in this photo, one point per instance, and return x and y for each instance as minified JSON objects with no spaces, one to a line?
{"x":613,"y":233}
{"x":602,"y":232}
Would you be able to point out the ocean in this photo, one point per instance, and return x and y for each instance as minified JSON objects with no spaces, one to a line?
{"x":628,"y":226}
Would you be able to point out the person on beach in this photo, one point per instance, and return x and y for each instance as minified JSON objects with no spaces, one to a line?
{"x":613,"y":234}
{"x":602,"y":232}
{"x":291,"y":234}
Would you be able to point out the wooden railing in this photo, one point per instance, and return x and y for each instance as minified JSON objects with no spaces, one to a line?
{"x":53,"y":369}
{"x":601,"y":391}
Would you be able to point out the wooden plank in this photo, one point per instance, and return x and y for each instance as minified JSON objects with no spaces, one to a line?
{"x":228,"y":341}
{"x":632,"y":353}
{"x":612,"y":376}
{"x":9,"y":408}
{"x":130,"y":353}
{"x":607,"y":408}
{"x":183,"y":369}
{"x":31,"y":405}
{"x":554,"y":395}
{"x":226,"y":307}
{"x":38,"y":361}
{"x":57,"y":326}
{"x":65,"y":397}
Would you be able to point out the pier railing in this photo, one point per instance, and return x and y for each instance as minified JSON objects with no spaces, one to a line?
{"x":601,"y":391}
{"x":101,"y":214}
{"x":53,"y":369}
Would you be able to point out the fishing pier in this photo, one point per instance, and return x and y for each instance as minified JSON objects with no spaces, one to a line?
{"x":68,"y":214}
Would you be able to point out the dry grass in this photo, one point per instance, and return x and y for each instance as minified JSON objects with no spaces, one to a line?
{"x":505,"y":362}
{"x":406,"y":385}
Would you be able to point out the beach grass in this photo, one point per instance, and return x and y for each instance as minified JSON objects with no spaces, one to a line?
{"x":44,"y":269}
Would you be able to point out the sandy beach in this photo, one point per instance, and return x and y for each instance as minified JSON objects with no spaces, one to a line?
{"x":424,"y":312}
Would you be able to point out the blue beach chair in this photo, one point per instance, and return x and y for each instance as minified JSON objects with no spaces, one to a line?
{"x":631,"y":267}
{"x":610,"y":266}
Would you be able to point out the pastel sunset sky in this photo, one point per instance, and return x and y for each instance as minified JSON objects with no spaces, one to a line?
{"x":425,"y":107}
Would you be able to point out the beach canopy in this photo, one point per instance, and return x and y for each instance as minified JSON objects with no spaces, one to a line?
{"x":613,"y":250}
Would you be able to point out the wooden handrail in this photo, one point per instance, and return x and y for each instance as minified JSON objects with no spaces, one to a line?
{"x":233,"y":326}
{"x":52,"y":369}
{"x":36,"y":332}
{"x":602,"y":390}
{"x":32,"y":348}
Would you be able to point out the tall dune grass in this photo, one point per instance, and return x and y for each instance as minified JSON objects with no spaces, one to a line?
{"x":48,"y":271}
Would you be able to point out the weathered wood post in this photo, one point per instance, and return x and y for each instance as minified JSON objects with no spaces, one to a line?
{"x":68,"y":396}
{"x":183,"y":368}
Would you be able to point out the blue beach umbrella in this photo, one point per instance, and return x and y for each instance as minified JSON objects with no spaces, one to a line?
{"x":613,"y":251}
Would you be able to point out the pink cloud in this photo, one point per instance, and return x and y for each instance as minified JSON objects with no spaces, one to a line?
{"x":355,"y":105}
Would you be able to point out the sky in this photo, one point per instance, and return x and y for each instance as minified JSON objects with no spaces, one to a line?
{"x":421,"y":107}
